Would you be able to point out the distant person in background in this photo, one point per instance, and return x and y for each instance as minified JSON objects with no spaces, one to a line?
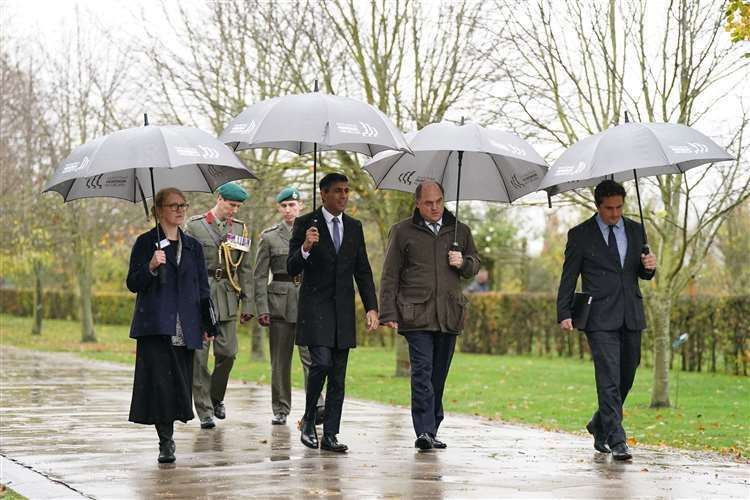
{"x":607,"y":252}
{"x":170,"y":321}
{"x":481,"y":282}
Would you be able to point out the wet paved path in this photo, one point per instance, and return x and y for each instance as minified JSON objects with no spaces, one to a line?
{"x":66,"y":418}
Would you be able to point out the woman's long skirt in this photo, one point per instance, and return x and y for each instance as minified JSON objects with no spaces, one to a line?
{"x":163,"y":384}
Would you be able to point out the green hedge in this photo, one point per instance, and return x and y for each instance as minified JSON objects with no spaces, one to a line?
{"x":498,"y":323}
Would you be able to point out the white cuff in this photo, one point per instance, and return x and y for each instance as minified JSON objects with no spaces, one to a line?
{"x":305,"y":255}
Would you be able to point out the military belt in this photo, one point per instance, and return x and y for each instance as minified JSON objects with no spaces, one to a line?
{"x":285,"y":278}
{"x":220,"y":274}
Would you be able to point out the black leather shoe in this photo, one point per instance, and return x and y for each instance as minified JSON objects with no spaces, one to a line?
{"x":600,"y":443}
{"x":207,"y":423}
{"x":309,"y":435}
{"x":166,"y":452}
{"x":436,"y":443}
{"x":330,"y":443}
{"x":279,"y":419}
{"x":423,"y":442}
{"x":320,"y":415}
{"x":620,"y":451}
{"x":220,"y":411}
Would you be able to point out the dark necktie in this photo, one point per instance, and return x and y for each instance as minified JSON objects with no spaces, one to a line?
{"x":612,"y":244}
{"x":435,"y":227}
{"x":336,"y":235}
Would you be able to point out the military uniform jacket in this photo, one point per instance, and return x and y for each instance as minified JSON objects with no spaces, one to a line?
{"x":223,"y":295}
{"x":277,"y":298}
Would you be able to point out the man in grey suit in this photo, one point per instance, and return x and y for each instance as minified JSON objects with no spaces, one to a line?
{"x":609,"y":254}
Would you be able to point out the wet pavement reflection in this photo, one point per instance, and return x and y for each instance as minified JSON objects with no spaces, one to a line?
{"x":66,"y":417}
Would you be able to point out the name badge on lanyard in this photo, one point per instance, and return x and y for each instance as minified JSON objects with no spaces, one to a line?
{"x":238,"y":242}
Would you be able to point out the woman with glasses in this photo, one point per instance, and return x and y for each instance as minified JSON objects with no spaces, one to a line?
{"x":172,"y":318}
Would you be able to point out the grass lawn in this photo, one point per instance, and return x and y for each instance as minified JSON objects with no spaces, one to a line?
{"x":553,"y":393}
{"x":8,"y":494}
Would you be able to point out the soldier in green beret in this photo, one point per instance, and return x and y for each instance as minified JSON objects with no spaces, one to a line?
{"x":226,"y":247}
{"x":276,"y":303}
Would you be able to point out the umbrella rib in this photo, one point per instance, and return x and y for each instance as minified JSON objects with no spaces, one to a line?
{"x":445,"y":169}
{"x":661,"y":150}
{"x":502,"y":179}
{"x":400,"y":155}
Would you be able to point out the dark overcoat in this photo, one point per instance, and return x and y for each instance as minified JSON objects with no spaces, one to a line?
{"x":156,"y":306}
{"x":325,"y":312}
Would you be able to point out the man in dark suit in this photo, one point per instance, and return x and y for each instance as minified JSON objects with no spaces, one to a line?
{"x":609,"y":254}
{"x":328,"y":248}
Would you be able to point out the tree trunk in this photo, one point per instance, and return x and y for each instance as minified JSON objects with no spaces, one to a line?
{"x":662,"y":306}
{"x":84,"y":288}
{"x":403,"y":366}
{"x":38,"y":297}
{"x":85,"y":260}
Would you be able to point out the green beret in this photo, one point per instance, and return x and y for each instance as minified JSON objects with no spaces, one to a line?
{"x":286,"y":194}
{"x":232,"y":192}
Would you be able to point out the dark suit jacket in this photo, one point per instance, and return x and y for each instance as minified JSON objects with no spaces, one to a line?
{"x":325,"y":315}
{"x":616,"y":296}
{"x":156,"y":306}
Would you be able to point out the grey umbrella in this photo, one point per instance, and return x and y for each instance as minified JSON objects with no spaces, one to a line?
{"x":312,"y":122}
{"x":497,"y":166}
{"x":628,"y":151}
{"x":130,"y":163}
{"x":123,"y":164}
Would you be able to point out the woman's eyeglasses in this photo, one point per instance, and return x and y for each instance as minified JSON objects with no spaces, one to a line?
{"x":177,"y":207}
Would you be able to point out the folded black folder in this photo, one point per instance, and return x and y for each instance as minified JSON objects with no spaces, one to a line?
{"x":581,"y":308}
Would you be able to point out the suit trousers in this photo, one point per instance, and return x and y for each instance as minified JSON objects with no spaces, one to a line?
{"x":616,"y":355}
{"x":281,"y":345}
{"x":210,"y":387}
{"x":329,"y":364}
{"x":430,"y":354}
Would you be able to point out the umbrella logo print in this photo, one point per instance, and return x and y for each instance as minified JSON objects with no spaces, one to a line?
{"x":695,"y":148}
{"x":76,"y":166}
{"x":208,"y":153}
{"x":370,"y":131}
{"x":570,"y":169}
{"x":520,"y":183}
{"x":405,"y":177}
{"x":509,"y":148}
{"x":94,"y":182}
{"x":213,"y":171}
{"x":240,"y":128}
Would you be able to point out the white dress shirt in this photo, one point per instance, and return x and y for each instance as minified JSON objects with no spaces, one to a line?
{"x":328,"y":216}
{"x":439,"y":223}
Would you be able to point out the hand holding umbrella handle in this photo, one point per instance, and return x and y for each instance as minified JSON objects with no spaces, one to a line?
{"x":162,"y":275}
{"x":645,"y":249}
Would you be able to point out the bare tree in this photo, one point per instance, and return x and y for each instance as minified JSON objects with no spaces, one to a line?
{"x":580,"y":64}
{"x":86,"y":77}
{"x":238,"y":52}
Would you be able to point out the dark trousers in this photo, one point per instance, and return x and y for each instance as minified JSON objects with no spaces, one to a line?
{"x":430,"y":354}
{"x":326,"y":363}
{"x":616,"y":356}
